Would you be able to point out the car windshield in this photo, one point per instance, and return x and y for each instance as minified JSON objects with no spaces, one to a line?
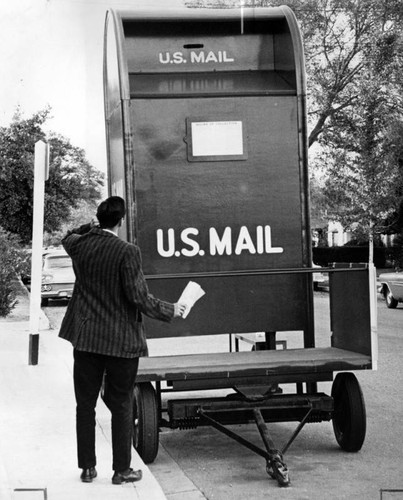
{"x":58,"y":262}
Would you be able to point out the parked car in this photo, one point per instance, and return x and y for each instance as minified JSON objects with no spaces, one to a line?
{"x":58,"y":277}
{"x":391,"y":288}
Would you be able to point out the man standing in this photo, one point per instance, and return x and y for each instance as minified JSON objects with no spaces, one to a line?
{"x":103,"y":321}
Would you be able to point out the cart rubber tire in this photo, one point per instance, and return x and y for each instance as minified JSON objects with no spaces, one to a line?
{"x":349,"y":415}
{"x":391,"y":302}
{"x":145,"y":422}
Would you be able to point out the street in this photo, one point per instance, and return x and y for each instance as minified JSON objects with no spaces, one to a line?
{"x":222,"y":469}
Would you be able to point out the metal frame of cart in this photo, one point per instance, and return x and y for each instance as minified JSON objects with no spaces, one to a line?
{"x":252,"y":375}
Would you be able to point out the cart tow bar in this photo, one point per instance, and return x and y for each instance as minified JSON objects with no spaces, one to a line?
{"x":275,"y":466}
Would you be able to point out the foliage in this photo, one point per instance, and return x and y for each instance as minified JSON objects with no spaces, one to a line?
{"x":356,"y":90}
{"x":365,"y":181}
{"x":71,"y":177}
{"x":319,"y":202}
{"x":83,"y":213}
{"x":394,"y":223}
{"x":339,"y":37}
{"x":12,"y":260}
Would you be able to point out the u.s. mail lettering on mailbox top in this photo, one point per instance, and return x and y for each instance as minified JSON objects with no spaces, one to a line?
{"x":193,"y":57}
{"x":179,"y":51}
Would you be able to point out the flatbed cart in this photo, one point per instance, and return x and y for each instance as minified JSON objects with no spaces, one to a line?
{"x":254,"y":375}
{"x":205,"y":114}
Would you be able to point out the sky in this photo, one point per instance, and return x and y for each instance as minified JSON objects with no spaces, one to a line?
{"x":51,"y":54}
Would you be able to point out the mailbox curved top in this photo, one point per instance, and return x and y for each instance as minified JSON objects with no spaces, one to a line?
{"x":201,"y":40}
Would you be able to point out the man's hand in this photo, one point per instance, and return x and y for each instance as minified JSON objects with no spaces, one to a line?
{"x":179,"y":309}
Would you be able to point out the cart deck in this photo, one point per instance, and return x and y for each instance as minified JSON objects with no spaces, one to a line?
{"x":225,"y":367}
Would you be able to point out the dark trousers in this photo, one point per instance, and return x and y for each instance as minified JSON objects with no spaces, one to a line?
{"x":89,"y":369}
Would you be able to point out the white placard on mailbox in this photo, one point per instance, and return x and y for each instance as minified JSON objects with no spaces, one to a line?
{"x":217,"y":139}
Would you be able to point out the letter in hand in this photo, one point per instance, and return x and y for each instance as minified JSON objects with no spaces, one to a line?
{"x":190,"y":295}
{"x":179,"y":309}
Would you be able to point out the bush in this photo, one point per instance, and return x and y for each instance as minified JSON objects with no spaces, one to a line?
{"x":12,"y":260}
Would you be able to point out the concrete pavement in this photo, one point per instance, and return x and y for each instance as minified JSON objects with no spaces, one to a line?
{"x":37,"y":423}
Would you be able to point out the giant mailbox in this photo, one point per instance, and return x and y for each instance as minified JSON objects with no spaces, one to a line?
{"x":206,"y":138}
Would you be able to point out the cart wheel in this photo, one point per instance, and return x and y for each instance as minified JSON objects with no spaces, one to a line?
{"x":349,"y":416}
{"x":145,"y":422}
{"x":391,"y":302}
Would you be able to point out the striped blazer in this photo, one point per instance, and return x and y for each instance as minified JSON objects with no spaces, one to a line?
{"x":110,"y":294}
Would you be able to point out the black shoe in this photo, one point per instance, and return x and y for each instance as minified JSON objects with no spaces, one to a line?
{"x":88,"y":475}
{"x":127,"y":476}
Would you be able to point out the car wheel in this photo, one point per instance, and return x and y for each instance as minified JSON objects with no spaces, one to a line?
{"x":44,"y":302}
{"x":391,"y":302}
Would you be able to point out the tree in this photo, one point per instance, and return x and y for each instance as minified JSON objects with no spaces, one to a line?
{"x":362,"y":148}
{"x":339,"y":35}
{"x":394,"y":224}
{"x":319,"y":211}
{"x":71,"y":177}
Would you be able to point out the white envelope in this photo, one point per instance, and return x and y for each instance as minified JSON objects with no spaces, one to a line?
{"x":190,"y":295}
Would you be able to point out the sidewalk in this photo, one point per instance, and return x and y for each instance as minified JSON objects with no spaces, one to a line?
{"x":37,"y":423}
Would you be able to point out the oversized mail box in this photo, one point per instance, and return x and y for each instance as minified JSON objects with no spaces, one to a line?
{"x":206,"y":135}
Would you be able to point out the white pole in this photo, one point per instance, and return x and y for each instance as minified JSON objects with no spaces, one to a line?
{"x":373,"y":315}
{"x":40,"y":175}
{"x":242,"y":25}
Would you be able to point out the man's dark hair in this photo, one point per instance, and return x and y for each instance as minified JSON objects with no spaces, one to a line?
{"x":111,"y":211}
